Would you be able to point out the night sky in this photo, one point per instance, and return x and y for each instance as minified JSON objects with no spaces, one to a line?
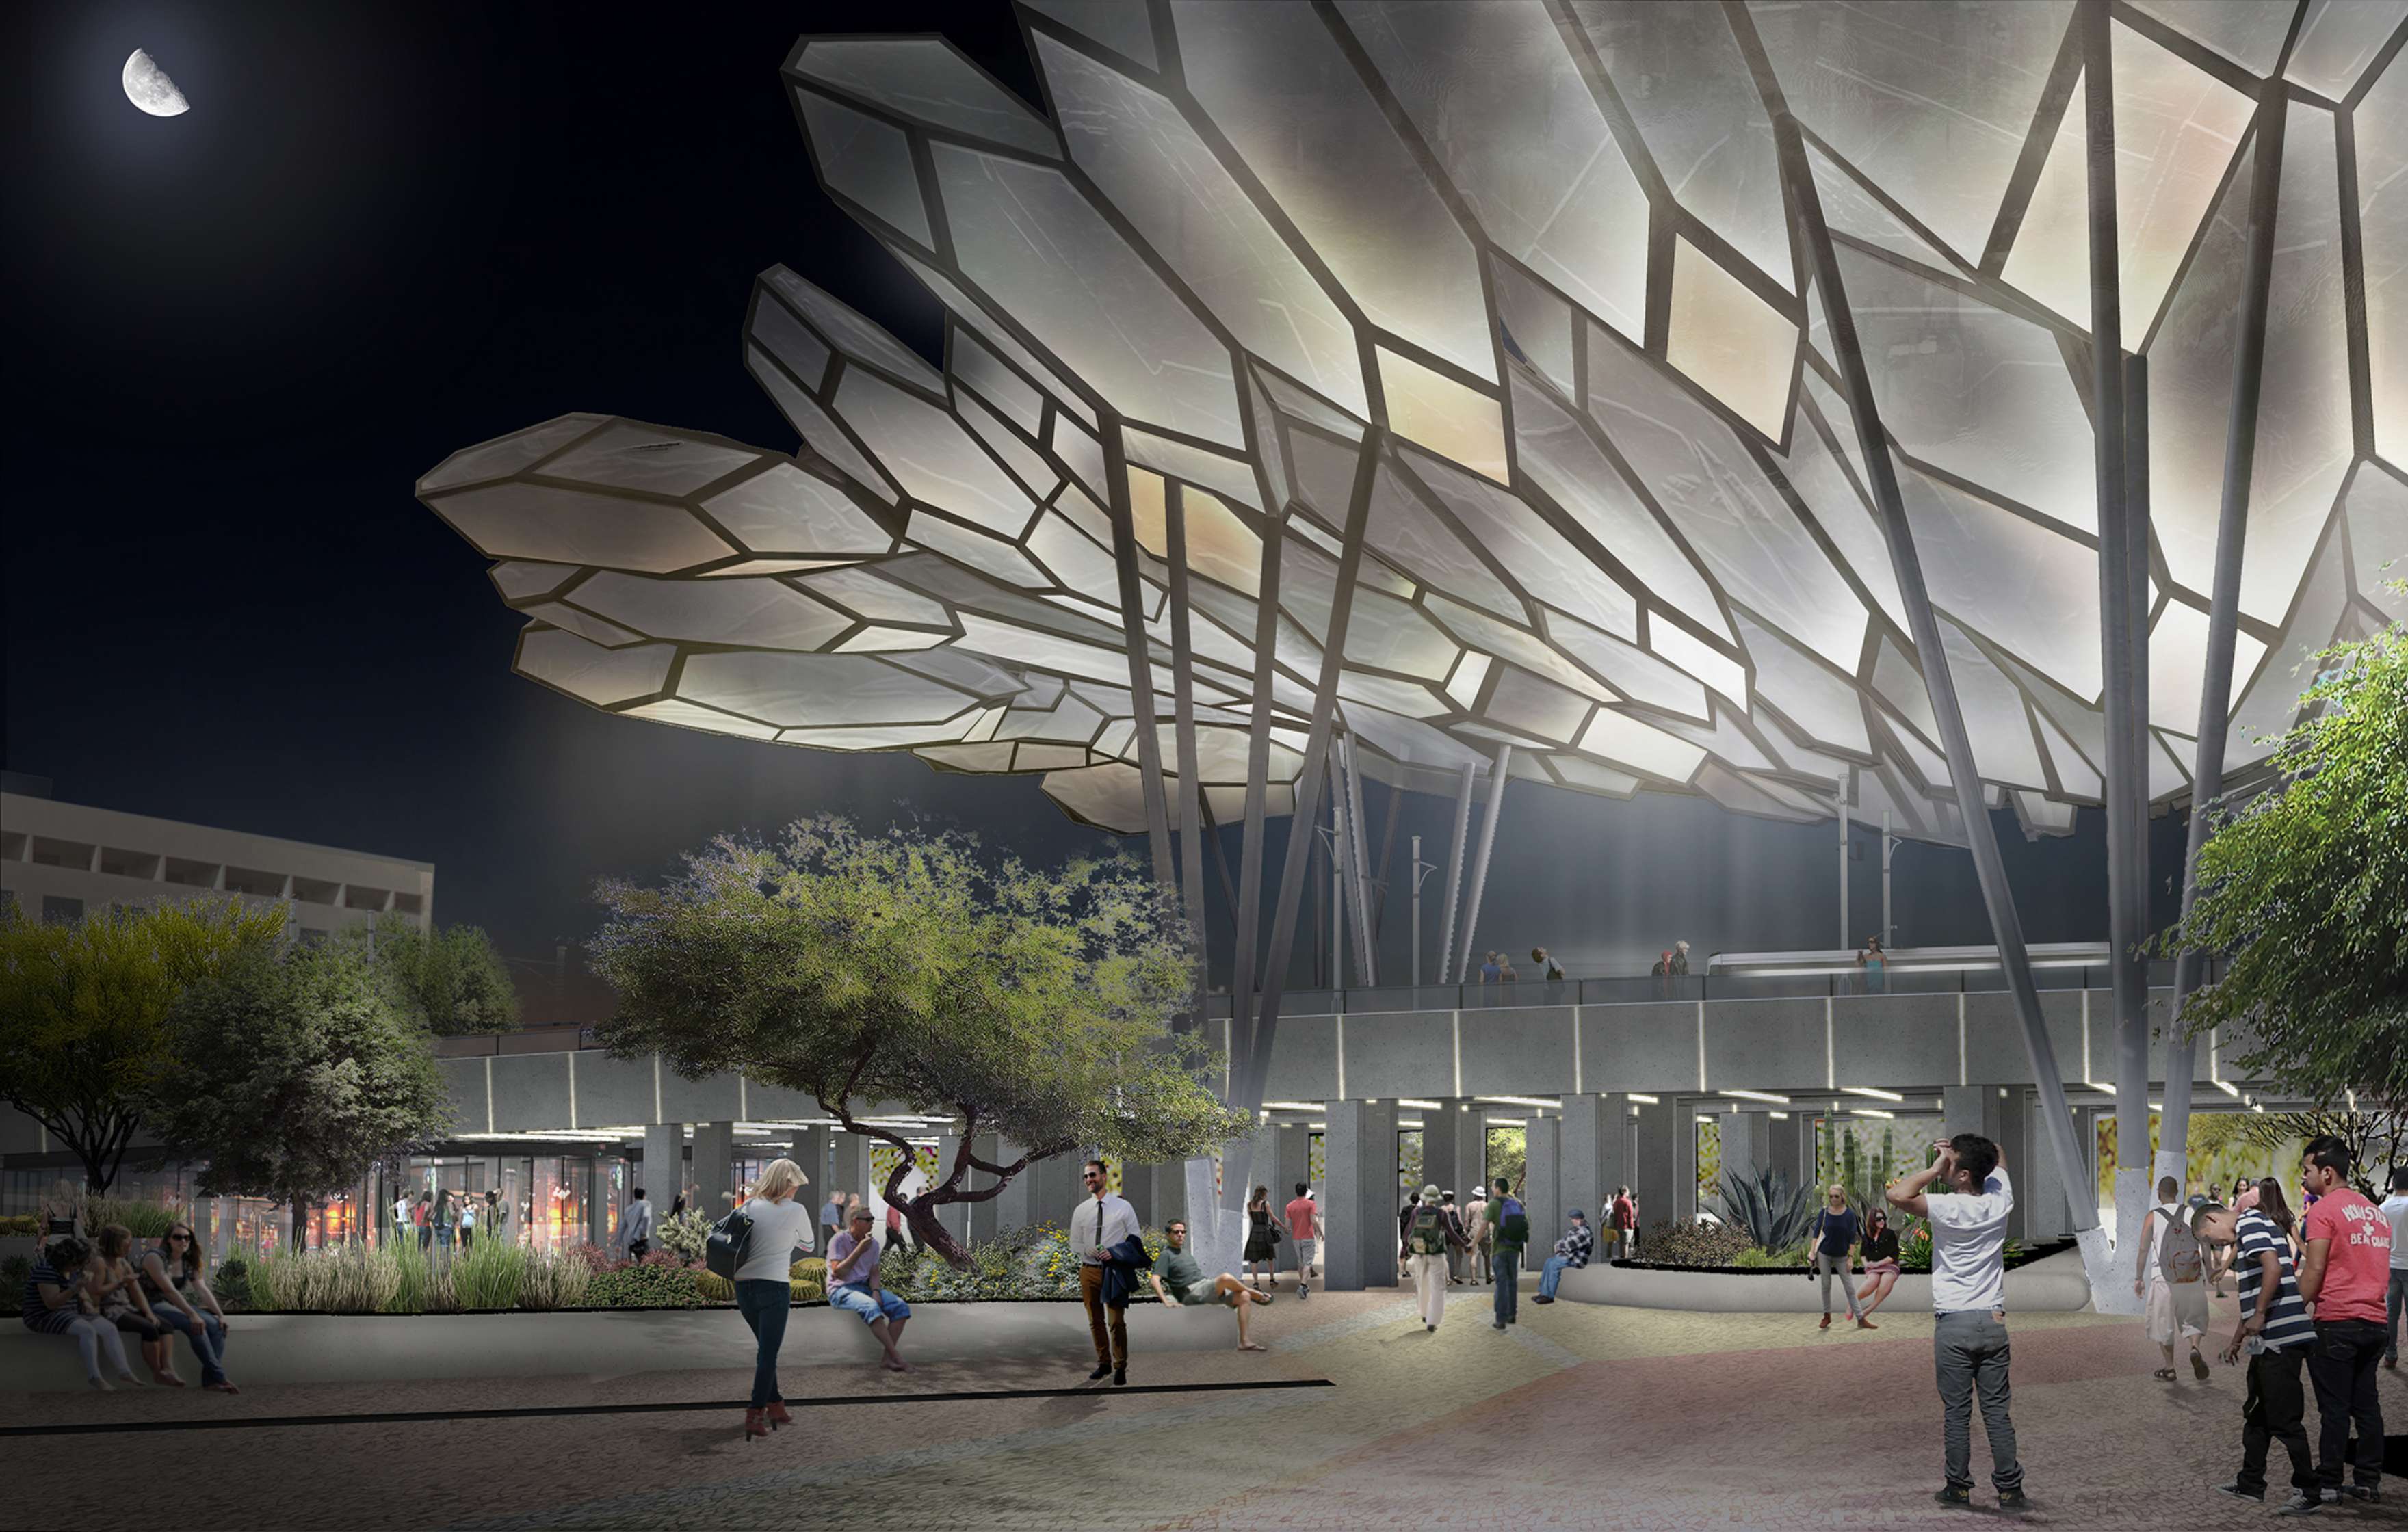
{"x":236,"y":338}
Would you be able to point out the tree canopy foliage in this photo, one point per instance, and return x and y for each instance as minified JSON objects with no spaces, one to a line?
{"x":454,"y":976}
{"x":905,"y":971}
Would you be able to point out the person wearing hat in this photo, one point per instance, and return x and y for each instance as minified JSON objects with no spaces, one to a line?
{"x":1455,"y":1251}
{"x":1430,"y":1233}
{"x":854,"y":1286}
{"x":1572,"y":1251}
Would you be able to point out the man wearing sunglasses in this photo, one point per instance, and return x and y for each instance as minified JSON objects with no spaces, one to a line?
{"x":1098,"y":1225}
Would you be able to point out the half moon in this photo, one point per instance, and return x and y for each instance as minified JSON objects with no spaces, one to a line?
{"x":148,"y":87}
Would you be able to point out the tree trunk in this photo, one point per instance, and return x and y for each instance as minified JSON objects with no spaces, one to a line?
{"x":300,"y":1224}
{"x":921,"y":1216}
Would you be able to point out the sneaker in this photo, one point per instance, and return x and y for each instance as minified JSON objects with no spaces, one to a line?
{"x":1950,"y":1496}
{"x":2365,"y":1494}
{"x":2013,"y":1499}
{"x":2241,"y":1491}
{"x":2301,"y":1504}
{"x":1431,"y":1328}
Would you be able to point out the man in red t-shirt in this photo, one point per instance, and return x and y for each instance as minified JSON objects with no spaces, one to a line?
{"x":2347,"y":1272}
{"x":1623,"y":1220}
{"x":1303,"y":1229}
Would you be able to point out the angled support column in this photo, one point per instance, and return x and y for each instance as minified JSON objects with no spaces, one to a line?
{"x":2224,"y":600}
{"x":1358,"y":855}
{"x":1140,"y":664}
{"x":1454,"y":871}
{"x":1338,"y":858}
{"x":1191,"y":788}
{"x":1250,"y":844}
{"x":1480,"y":859}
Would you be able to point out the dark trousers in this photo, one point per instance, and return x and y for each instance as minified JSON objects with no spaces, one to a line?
{"x":2342,"y":1365}
{"x":765,"y":1305}
{"x":2276,"y":1410}
{"x":2392,"y":1303}
{"x":1109,"y":1325}
{"x":1508,"y":1283}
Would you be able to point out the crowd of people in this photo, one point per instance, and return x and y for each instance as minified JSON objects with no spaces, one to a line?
{"x":97,"y":1291}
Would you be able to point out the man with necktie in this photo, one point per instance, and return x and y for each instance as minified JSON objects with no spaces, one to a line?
{"x":1097,"y":1224}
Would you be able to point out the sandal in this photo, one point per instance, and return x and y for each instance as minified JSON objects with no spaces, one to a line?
{"x":2163,"y":1375}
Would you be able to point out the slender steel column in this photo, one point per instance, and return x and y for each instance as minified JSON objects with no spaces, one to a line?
{"x":1479,"y":858}
{"x":1417,"y":911}
{"x":1839,"y":797}
{"x":1140,"y":663}
{"x":1924,"y":627}
{"x":1358,"y":855}
{"x":1190,"y":786}
{"x":1380,"y":873}
{"x":1455,"y":871}
{"x":1258,"y":769}
{"x":2224,"y":599}
{"x":1889,"y":844}
{"x":1337,"y":859}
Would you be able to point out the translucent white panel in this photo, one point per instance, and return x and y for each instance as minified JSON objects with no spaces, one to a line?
{"x":1279,"y":87}
{"x":1526,"y":649}
{"x":573,"y":526}
{"x":1995,"y":719}
{"x":1538,"y":324}
{"x":591,"y":672}
{"x":1118,"y":24}
{"x":1635,"y":673}
{"x":1814,"y":469}
{"x":987,"y":757}
{"x":630,"y":456}
{"x":1159,"y":173}
{"x":1818,"y":700}
{"x":865,"y":594}
{"x":1077,"y":563}
{"x":2178,"y":666}
{"x":987,"y":554}
{"x":1030,"y":238}
{"x":1304,"y":405}
{"x":930,"y":454}
{"x":973,"y":363}
{"x":924,"y":79}
{"x":2338,"y":40}
{"x":2382,"y":121}
{"x":1027,"y":646}
{"x":519,"y":580}
{"x":2176,"y":129}
{"x":1738,"y":522}
{"x":816,"y":425}
{"x":776,"y":330}
{"x":1930,"y":98}
{"x":2074,"y":774}
{"x":1464,"y":685}
{"x":1558,"y":454}
{"x":1710,"y":664}
{"x":505,"y":455}
{"x":2272,"y":699}
{"x":2169,"y":767}
{"x":1221,"y":546}
{"x":767,"y":566}
{"x":788,"y":511}
{"x":1973,"y":390}
{"x":1589,"y":777}
{"x":761,"y":613}
{"x":1033,"y":475}
{"x":878,"y":640}
{"x":1045,"y":757}
{"x":1540,"y":559}
{"x":1385,"y":634}
{"x":1081,"y":453}
{"x":1522,"y":701}
{"x":1402,"y":528}
{"x":1724,"y":739}
{"x":1221,"y":753}
{"x":1070,"y":719}
{"x":2304,"y":429}
{"x":1444,"y":416}
{"x":1848,"y":208}
{"x":2042,"y":816}
{"x":2190,"y":390}
{"x":1901,"y":684}
{"x":2379,"y":537}
{"x":711,"y":719}
{"x":965,"y":309}
{"x":1735,"y":345}
{"x":1406,"y":698}
{"x":885,"y":737}
{"x":1499,"y":101}
{"x":2247,"y":32}
{"x":850,"y":332}
{"x":2014,"y":581}
{"x":796,"y":690}
{"x":1110,"y":796}
{"x":1629,"y":742}
{"x":867,"y":160}
{"x":1226,"y":476}
{"x":1687,"y":85}
{"x":585,"y":625}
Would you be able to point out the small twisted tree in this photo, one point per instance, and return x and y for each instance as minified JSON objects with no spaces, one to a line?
{"x":903,"y":971}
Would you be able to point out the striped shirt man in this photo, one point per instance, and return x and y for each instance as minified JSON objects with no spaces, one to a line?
{"x":2287,"y":1326}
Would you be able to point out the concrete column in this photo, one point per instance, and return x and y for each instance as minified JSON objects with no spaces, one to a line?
{"x":1542,"y":1187}
{"x":849,"y":1164}
{"x":2014,"y":1136}
{"x":713,"y":1167}
{"x":810,"y":1152}
{"x":1656,"y":1171}
{"x":664,"y":1171}
{"x":1359,"y":1205}
{"x":1295,"y":1163}
{"x":1747,"y":1151}
{"x":1792,"y":1154}
{"x":2040,"y":1197}
{"x":1592,"y":1140}
{"x":1970,"y":1109}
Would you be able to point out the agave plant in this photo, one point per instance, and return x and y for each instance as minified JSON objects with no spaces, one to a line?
{"x":1772,"y":1213}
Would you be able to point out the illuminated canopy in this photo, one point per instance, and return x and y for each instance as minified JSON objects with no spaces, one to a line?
{"x":1524,"y":290}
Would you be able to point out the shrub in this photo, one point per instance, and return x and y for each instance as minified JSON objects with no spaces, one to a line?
{"x":347,"y":1279}
{"x":1791,"y":1258}
{"x":488,"y":1275}
{"x":147,"y":1220}
{"x":1773,"y":1214}
{"x":644,"y":1286}
{"x":232,"y":1284}
{"x":15,"y":1272}
{"x":21,"y":1226}
{"x":1695,"y":1244}
{"x":554,"y":1280}
{"x":686,"y":1234}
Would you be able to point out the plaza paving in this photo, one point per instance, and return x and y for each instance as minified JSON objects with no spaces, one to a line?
{"x":1580,"y":1416}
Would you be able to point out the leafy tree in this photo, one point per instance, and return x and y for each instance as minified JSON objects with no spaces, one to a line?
{"x":902,"y":971}
{"x":456,"y":979}
{"x":85,"y":1037}
{"x":2375,"y":1138}
{"x":294,"y":1073}
{"x":2304,"y":887}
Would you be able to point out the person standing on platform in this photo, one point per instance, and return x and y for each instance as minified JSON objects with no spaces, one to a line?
{"x":781,"y":1223}
{"x":638,"y":1225}
{"x":1836,"y":1234}
{"x":1264,"y":1232}
{"x":2168,"y":1277}
{"x":1626,"y":1224}
{"x":1476,"y":1229}
{"x":2347,"y":1271}
{"x":2274,"y":1332}
{"x":1098,"y":1224}
{"x":1459,"y":1243}
{"x":1966,"y":1212}
{"x":1304,"y":1229}
{"x":1510,"y":1237}
{"x":1429,"y":1236}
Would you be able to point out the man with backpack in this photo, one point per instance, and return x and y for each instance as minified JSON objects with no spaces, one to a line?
{"x":1430,"y":1233}
{"x":1512,"y":1236}
{"x":2169,"y":1274}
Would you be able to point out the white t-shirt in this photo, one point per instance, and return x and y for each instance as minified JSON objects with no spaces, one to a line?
{"x":1969,"y":1241}
{"x":2395,"y":1208}
{"x":778,"y":1227}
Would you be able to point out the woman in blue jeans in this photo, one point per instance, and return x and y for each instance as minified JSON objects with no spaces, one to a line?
{"x":173,"y":1279}
{"x":781,"y":1227}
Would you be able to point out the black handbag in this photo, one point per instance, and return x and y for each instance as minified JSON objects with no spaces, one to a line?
{"x":730,"y":1243}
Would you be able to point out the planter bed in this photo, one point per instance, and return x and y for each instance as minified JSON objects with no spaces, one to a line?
{"x":2020,"y":1258}
{"x":2050,"y":1281}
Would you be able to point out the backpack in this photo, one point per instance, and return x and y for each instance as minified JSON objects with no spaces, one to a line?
{"x":1513,"y":1227}
{"x":1429,"y":1236}
{"x":2178,"y":1253}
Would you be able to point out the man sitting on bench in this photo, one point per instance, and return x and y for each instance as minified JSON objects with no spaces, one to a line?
{"x":1177,"y":1279}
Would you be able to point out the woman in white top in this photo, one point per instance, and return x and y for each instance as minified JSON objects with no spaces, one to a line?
{"x":782,"y":1224}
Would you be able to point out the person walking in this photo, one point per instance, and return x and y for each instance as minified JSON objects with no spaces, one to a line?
{"x":637,"y":1226}
{"x":443,"y":1217}
{"x":2346,"y":1275}
{"x":855,"y":1286}
{"x":1304,"y":1230}
{"x":1179,"y":1280}
{"x":1881,"y":1262}
{"x":1625,"y":1226}
{"x":1099,"y":1227}
{"x":1428,"y":1235}
{"x":2395,"y":1211}
{"x":764,"y":1297}
{"x":1264,"y":1232}
{"x":1481,"y":1236}
{"x":1965,"y":1197}
{"x":1404,"y":1227}
{"x":2169,"y":1275}
{"x":1835,"y":1234}
{"x":832,"y":1216}
{"x":1680,"y":963}
{"x":1572,"y":1251}
{"x":1510,"y":1237}
{"x":2273,"y":1331}
{"x":401,"y":1225}
{"x":1458,"y":1245}
{"x":420,"y":1219}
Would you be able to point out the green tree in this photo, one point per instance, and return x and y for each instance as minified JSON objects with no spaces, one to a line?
{"x":296,"y":1071}
{"x":903,"y":971}
{"x":455,"y":977}
{"x":2304,"y":889}
{"x":85,"y":1037}
{"x":2375,"y":1138}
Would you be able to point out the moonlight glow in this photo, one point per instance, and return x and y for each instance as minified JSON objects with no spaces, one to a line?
{"x":148,"y":87}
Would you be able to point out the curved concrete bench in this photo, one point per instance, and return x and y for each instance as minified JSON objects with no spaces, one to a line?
{"x":2054,"y":1284}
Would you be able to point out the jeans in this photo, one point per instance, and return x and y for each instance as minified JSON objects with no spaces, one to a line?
{"x":1508,"y":1292}
{"x":2392,"y":1303}
{"x":1551,"y":1272}
{"x":2342,"y":1365}
{"x":207,"y":1339}
{"x":765,"y":1305}
{"x":1969,"y":1354}
{"x":2276,"y":1410}
{"x":1828,"y":1267}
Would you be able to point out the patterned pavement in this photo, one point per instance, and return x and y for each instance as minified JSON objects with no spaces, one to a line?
{"x":1580,"y":1416}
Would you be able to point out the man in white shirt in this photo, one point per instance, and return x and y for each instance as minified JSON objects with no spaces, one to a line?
{"x":636,"y":1226}
{"x":1968,"y":1215}
{"x":2395,"y":1208}
{"x":401,"y":1226}
{"x":1098,"y":1222}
